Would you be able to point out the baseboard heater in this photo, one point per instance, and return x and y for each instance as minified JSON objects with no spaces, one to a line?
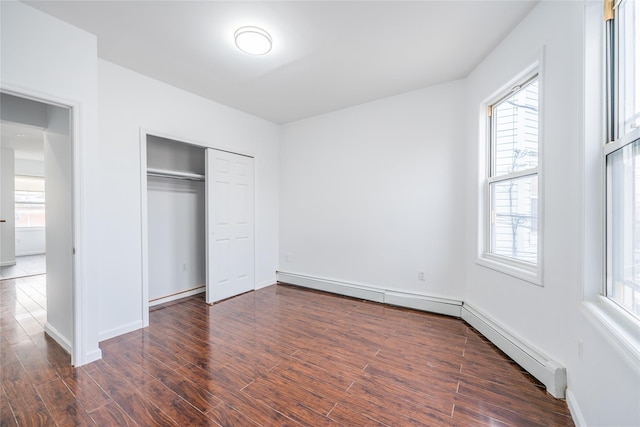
{"x":547,"y":371}
{"x":402,"y":299}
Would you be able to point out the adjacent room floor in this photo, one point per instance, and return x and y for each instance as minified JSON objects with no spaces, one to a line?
{"x":281,"y":355}
{"x":28,"y":265}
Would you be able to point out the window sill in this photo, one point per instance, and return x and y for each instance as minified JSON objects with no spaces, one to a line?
{"x":510,"y":270}
{"x":617,"y":326}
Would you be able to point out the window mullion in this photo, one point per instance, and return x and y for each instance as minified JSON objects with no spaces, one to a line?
{"x":513,"y":175}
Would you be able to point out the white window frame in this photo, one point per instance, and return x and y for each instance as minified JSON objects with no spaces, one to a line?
{"x":617,"y":325}
{"x":618,"y":137}
{"x":528,"y":272}
{"x":608,"y":149}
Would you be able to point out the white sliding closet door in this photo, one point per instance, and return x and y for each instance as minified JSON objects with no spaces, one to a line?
{"x":230,"y":224}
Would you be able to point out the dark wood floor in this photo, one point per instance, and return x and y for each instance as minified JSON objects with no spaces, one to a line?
{"x":278,"y":356}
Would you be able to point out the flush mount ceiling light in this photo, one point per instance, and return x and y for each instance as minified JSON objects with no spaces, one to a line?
{"x":253,"y":40}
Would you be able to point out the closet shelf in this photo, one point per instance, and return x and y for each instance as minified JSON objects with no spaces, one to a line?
{"x":165,"y":173}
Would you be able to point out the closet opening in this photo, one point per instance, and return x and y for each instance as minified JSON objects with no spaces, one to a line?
{"x":198,"y":221}
{"x":175,"y":219}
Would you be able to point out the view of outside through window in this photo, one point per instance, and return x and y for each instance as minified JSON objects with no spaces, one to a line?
{"x":628,"y":55}
{"x":623,"y":164}
{"x":624,"y":205}
{"x":514,"y":175}
{"x":29,"y":201}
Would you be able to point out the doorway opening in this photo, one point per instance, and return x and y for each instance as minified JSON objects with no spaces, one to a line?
{"x":23,"y":240}
{"x":36,"y":210}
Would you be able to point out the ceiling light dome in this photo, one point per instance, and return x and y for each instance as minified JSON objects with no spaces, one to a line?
{"x":253,"y":40}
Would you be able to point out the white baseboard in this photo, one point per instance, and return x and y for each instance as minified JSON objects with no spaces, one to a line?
{"x":266,"y":283}
{"x":58,"y":337}
{"x":178,"y":295}
{"x":111,"y":333}
{"x":30,"y":253}
{"x":424,"y":303}
{"x":574,"y":409}
{"x":332,"y":286}
{"x":370,"y":293}
{"x":92,"y":356}
{"x":547,"y":371}
{"x":7,"y":263}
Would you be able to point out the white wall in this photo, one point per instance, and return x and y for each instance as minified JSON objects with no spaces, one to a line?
{"x":176,"y":236}
{"x":47,"y":58}
{"x":557,"y":27}
{"x":24,"y":111}
{"x":7,"y":207}
{"x":29,"y":167}
{"x":30,"y":241}
{"x":59,"y":230}
{"x":370,"y":194}
{"x":603,"y":389}
{"x":129,"y":101}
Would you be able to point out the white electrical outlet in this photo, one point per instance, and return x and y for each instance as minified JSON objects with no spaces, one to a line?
{"x":184,"y":267}
{"x":421,"y":275}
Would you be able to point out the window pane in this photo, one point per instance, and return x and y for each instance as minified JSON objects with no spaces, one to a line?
{"x":628,"y":55}
{"x":514,"y":218}
{"x":30,"y":209}
{"x":30,"y":215}
{"x":29,"y":197}
{"x":623,"y":275}
{"x":515,"y":131}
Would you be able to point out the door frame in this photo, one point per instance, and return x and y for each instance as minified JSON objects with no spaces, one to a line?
{"x":144,"y":218}
{"x":80,"y":315}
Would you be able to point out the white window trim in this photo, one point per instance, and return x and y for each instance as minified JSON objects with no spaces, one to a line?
{"x":619,"y":143}
{"x":608,"y":149}
{"x":518,"y":269}
{"x":618,"y":326}
{"x":612,"y":322}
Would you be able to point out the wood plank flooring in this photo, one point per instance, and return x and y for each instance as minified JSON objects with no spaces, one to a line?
{"x":279,"y":356}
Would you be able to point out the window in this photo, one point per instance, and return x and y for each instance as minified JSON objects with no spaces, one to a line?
{"x":622,"y":158}
{"x":29,"y":201}
{"x":512,"y":178}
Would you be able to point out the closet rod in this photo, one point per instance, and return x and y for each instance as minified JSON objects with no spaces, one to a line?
{"x":164,"y":173}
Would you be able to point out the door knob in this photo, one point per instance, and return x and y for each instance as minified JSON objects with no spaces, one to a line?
{"x":3,"y":220}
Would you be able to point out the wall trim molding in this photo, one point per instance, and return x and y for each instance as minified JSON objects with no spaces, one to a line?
{"x":111,"y":333}
{"x":92,"y":356}
{"x":179,"y":295}
{"x":58,"y":337}
{"x":438,"y":305}
{"x":574,"y":409}
{"x":266,"y":283}
{"x":546,"y":370}
{"x":31,"y":253}
{"x":7,"y":263}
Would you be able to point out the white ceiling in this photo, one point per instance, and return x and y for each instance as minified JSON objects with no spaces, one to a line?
{"x":326,"y":55}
